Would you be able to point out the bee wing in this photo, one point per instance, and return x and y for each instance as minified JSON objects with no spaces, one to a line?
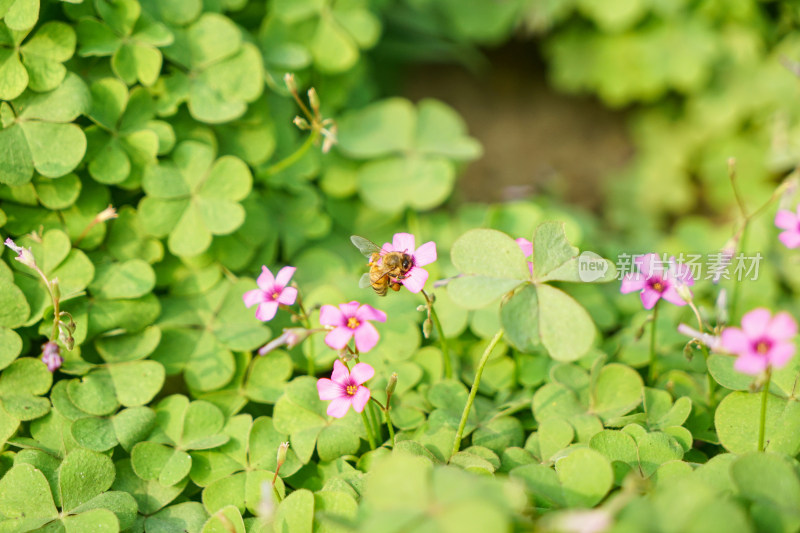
{"x":364,"y":282}
{"x":365,"y":246}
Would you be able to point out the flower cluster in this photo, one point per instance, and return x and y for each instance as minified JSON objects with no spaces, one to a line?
{"x":343,"y":323}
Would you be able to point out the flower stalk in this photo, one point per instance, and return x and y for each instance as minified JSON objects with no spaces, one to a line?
{"x":474,"y":391}
{"x":762,"y":423}
{"x":432,"y":316}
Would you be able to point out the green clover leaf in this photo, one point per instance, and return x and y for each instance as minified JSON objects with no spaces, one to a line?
{"x":224,"y":72}
{"x":20,"y":15}
{"x":38,"y":134}
{"x":129,"y":36}
{"x":413,"y":152}
{"x":334,"y":32}
{"x":181,"y":426}
{"x":194,"y":197}
{"x":200,"y":332}
{"x":38,"y":63}
{"x":121,"y":144}
{"x":233,"y":474}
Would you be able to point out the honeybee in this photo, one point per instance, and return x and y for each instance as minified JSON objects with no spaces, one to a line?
{"x":386,"y":269}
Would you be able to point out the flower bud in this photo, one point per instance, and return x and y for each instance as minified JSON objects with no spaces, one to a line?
{"x":51,"y":356}
{"x":313,"y":99}
{"x":288,"y":79}
{"x":56,"y":288}
{"x":106,"y":214}
{"x":281,"y":458}
{"x":392,"y":384}
{"x":427,"y":327}
{"x":24,"y":255}
{"x":301,"y":123}
{"x":684,"y":292}
{"x":290,"y":338}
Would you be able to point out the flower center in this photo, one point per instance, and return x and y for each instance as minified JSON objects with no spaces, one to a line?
{"x":350,"y":390}
{"x":657,"y":284}
{"x":763,"y":346}
{"x":353,"y":322}
{"x":276,"y":295}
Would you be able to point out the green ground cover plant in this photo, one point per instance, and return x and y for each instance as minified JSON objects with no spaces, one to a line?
{"x":202,"y":203}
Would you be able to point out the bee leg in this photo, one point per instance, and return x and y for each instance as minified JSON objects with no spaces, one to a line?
{"x":395,"y":286}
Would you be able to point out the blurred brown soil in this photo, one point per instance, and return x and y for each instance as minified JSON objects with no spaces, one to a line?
{"x":535,"y":140}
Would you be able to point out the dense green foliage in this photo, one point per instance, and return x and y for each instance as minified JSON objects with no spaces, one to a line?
{"x":164,"y":419}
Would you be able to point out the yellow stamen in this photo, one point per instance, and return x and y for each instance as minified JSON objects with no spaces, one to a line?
{"x":353,"y":322}
{"x":351,"y":389}
{"x":762,"y":347}
{"x":658,"y":286}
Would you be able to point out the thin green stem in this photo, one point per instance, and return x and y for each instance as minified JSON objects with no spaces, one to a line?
{"x":763,"y":421}
{"x":653,"y":326}
{"x":389,"y":425}
{"x":277,"y":494}
{"x":474,"y":390}
{"x":448,"y":367}
{"x":370,"y":437}
{"x":295,"y":156}
{"x":735,"y":293}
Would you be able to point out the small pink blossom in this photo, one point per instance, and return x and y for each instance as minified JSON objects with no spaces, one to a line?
{"x":51,"y":356}
{"x":762,"y":342}
{"x":271,"y":292}
{"x":790,"y":222}
{"x":345,"y":388}
{"x":24,"y":255}
{"x":656,"y":280}
{"x":351,"y":320}
{"x":416,"y":277}
{"x":527,"y":248}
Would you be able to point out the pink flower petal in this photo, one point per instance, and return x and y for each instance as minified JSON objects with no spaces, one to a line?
{"x":360,"y":399}
{"x":790,"y":239}
{"x":671,"y":295}
{"x":750,"y":364}
{"x":649,"y":298}
{"x":415,"y":279}
{"x":425,"y":254}
{"x":367,"y":312}
{"x":735,"y":341}
{"x":648,"y":264}
{"x":266,"y":311}
{"x":785,"y":219}
{"x":349,"y":310}
{"x":265,"y":280}
{"x":253,"y":297}
{"x":526,"y":246}
{"x":339,"y":337}
{"x":632,"y":282}
{"x":681,"y":272}
{"x":361,"y":373}
{"x":404,"y":242}
{"x":340,"y":374}
{"x":755,"y":323}
{"x":288,"y":296}
{"x":328,"y":390}
{"x":331,"y":316}
{"x":284,"y":276}
{"x":338,"y":407}
{"x":386,"y":248}
{"x":782,"y":327}
{"x":780,"y":354}
{"x":366,"y":337}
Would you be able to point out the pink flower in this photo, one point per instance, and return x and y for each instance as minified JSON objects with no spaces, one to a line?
{"x":656,"y":280}
{"x":763,"y":341}
{"x":790,"y":222}
{"x":51,"y":356}
{"x":351,"y":320}
{"x":415,"y":279}
{"x":271,"y":292}
{"x":345,"y":388}
{"x":527,"y":248}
